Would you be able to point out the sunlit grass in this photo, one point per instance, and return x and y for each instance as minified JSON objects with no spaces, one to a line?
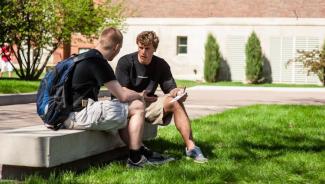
{"x":256,"y":144}
{"x":189,"y":83}
{"x":8,"y":86}
{"x":20,"y":86}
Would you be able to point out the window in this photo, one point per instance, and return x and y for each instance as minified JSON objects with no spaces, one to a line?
{"x":82,"y":50}
{"x":182,"y":45}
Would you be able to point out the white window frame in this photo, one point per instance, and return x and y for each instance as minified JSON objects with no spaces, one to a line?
{"x":179,"y":45}
{"x":83,"y":49}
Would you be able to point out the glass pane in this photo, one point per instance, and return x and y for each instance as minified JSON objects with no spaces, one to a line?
{"x":182,"y":45}
{"x":182,"y":40}
{"x":182,"y":50}
{"x":82,"y":50}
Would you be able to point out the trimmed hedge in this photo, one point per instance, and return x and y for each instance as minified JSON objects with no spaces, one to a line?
{"x":254,"y":59}
{"x":212,"y":59}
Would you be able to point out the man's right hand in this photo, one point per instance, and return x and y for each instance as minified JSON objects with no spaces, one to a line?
{"x":148,"y":99}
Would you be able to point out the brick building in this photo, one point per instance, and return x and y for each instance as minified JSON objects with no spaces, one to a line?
{"x":283,"y":26}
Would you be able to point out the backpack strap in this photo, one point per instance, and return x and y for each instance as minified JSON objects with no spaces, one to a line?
{"x":86,"y":55}
{"x":81,"y":57}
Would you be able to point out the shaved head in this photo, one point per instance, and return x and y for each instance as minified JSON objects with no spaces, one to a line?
{"x":110,"y":37}
{"x":110,"y":43}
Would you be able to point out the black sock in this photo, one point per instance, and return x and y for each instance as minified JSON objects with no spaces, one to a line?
{"x":146,"y":152}
{"x":135,"y":155}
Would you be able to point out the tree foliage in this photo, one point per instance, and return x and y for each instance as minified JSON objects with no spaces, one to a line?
{"x":254,"y":59}
{"x":313,"y":61}
{"x":212,"y":59}
{"x":36,"y":28}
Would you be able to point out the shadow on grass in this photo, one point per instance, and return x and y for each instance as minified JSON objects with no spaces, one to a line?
{"x":177,"y":149}
{"x":282,"y":143}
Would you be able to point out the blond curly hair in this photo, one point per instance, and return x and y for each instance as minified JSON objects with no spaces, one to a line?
{"x":147,"y":38}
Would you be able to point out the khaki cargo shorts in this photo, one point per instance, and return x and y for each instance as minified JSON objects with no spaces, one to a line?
{"x":99,"y":115}
{"x":155,"y":112}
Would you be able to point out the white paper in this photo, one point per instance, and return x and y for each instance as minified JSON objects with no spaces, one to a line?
{"x":177,"y":97}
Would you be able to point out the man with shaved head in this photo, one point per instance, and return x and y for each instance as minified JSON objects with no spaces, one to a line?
{"x":125,"y":113}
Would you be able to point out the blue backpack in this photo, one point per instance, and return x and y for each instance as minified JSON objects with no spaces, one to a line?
{"x":54,"y":99}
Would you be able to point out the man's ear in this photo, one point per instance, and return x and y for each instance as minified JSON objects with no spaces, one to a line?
{"x":117,"y":46}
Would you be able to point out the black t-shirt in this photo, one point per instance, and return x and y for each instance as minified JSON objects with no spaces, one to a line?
{"x":89,"y":76}
{"x":136,"y":76}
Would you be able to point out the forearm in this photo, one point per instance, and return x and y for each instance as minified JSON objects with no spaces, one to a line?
{"x":132,"y":95}
{"x":121,"y":93}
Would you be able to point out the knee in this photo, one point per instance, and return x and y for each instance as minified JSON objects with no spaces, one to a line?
{"x":173,"y":106}
{"x":177,"y":105}
{"x":137,"y":106}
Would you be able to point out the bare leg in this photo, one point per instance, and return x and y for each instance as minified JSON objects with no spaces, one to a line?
{"x":9,"y":74}
{"x":124,"y":134}
{"x":132,"y":134}
{"x":182,"y":122}
{"x":0,"y":74}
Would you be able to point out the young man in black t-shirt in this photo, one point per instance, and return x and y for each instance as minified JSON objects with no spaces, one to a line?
{"x":91,"y":114}
{"x":142,"y":72}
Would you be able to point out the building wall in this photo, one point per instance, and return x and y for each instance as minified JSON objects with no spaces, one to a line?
{"x":78,"y":44}
{"x":280,"y":37}
{"x":282,"y":26}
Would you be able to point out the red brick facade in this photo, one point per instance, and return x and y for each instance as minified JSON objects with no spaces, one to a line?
{"x":77,"y":43}
{"x":226,"y":8}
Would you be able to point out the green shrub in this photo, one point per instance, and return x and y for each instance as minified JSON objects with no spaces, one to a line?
{"x":254,"y":61}
{"x":212,"y":59}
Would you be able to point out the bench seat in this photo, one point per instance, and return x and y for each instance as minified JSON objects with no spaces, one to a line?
{"x":38,"y":146}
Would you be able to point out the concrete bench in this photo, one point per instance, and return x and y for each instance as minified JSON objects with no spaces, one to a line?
{"x":35,"y":148}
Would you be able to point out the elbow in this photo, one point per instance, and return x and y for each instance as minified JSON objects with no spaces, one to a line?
{"x":123,"y":98}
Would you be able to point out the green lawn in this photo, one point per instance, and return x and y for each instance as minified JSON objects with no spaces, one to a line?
{"x":19,"y":86}
{"x":5,"y":74}
{"x":255,"y":144}
{"x":188,"y":83}
{"x":8,"y":86}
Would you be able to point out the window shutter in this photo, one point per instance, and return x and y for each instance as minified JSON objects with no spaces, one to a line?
{"x":275,"y":58}
{"x":287,"y":54}
{"x":235,"y":46}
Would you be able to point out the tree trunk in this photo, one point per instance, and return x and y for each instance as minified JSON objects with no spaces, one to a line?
{"x":323,"y":76}
{"x":66,"y":49}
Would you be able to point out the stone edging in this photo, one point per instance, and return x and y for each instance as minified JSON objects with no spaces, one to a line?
{"x":11,"y":99}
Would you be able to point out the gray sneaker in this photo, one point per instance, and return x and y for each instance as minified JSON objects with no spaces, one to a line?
{"x":196,"y":154}
{"x":142,"y":163}
{"x":157,"y":158}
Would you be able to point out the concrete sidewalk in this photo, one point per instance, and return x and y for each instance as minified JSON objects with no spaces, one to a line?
{"x":202,"y":100}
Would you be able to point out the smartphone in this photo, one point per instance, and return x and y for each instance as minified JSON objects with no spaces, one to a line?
{"x":151,"y":94}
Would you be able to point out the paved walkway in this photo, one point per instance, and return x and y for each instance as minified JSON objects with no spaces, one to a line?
{"x":202,"y":100}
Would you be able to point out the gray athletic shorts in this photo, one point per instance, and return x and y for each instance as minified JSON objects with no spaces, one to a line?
{"x":99,"y":115}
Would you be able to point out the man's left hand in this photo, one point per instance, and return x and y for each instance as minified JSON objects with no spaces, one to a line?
{"x":178,"y":91}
